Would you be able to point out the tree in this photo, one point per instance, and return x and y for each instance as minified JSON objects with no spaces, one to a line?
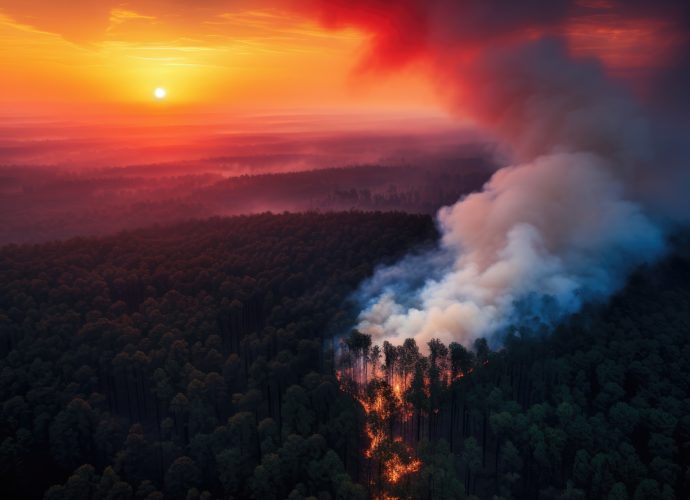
{"x":359,"y":344}
{"x":472,"y":460}
{"x":269,"y":436}
{"x":461,"y":360}
{"x":229,"y":470}
{"x":71,"y":434}
{"x":375,"y":359}
{"x":618,"y":492}
{"x":438,"y":477}
{"x":510,"y":466}
{"x":182,"y":475}
{"x":481,"y":348}
{"x":297,"y":414}
{"x":647,"y":489}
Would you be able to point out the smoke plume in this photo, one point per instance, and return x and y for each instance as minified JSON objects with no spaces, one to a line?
{"x":578,"y":206}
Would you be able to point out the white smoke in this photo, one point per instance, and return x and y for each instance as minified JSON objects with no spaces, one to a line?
{"x":564,"y":225}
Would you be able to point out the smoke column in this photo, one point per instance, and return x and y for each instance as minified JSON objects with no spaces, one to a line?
{"x":578,"y":206}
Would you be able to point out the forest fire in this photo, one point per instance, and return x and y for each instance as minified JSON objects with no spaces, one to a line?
{"x":396,"y":469}
{"x":397,"y":396}
{"x":396,"y":461}
{"x":381,"y":405}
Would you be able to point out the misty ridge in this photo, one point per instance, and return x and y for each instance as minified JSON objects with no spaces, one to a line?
{"x":60,"y":180}
{"x":43,"y":203}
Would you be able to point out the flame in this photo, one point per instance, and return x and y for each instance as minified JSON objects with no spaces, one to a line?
{"x":396,"y":461}
{"x":385,"y":396}
{"x":396,"y":469}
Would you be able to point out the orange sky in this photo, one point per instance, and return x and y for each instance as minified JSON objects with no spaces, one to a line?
{"x":105,"y":57}
{"x":58,"y":55}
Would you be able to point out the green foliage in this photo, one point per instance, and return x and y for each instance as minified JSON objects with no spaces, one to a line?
{"x":439,"y":476}
{"x":193,"y":363}
{"x":189,"y":360}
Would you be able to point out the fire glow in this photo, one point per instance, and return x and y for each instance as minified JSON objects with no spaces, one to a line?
{"x":383,"y":412}
{"x":386,"y":391}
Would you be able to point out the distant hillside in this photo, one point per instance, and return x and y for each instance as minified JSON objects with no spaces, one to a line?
{"x":44,"y":204}
{"x":406,"y":188}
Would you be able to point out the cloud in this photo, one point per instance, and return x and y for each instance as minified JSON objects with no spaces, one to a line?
{"x":87,"y":22}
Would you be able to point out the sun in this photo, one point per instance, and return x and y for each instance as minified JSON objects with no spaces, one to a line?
{"x":160,"y":93}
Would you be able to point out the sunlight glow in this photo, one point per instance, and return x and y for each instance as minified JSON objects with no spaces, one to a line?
{"x":160,"y":93}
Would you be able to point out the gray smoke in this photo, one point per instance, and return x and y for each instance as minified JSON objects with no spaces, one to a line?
{"x":563,"y":225}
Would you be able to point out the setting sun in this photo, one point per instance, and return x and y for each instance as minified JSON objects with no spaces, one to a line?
{"x":160,"y":93}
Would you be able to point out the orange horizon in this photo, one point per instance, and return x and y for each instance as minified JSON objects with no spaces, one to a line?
{"x":257,"y":55}
{"x":252,"y":59}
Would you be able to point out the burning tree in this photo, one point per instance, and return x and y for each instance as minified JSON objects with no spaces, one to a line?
{"x":402,"y":399}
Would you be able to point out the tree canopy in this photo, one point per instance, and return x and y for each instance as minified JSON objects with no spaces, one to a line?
{"x":197,"y":361}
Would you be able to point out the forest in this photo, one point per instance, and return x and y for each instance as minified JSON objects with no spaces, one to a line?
{"x":216,"y":359}
{"x":39,"y":204}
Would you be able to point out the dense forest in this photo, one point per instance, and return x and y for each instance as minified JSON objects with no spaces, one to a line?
{"x":186,"y":361}
{"x":598,"y":407}
{"x":203,"y":360}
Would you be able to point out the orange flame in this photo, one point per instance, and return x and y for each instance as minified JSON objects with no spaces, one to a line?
{"x":384,"y":395}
